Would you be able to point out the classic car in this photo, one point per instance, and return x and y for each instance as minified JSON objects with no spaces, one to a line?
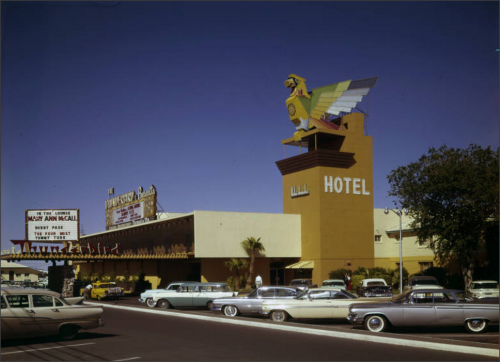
{"x":147,"y":296}
{"x":104,"y":290}
{"x":425,"y":307}
{"x":312,"y":303}
{"x":193,"y":295}
{"x":334,"y":283}
{"x":39,"y":312}
{"x":252,"y":303}
{"x":422,"y":282}
{"x":303,"y":284}
{"x":374,"y":287}
{"x":483,"y":289}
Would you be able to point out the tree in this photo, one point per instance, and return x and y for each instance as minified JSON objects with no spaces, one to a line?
{"x":236,"y":264}
{"x":253,"y":247}
{"x":453,"y":197}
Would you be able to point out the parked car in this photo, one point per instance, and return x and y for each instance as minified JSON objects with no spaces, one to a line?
{"x":312,"y":303}
{"x":422,"y":282}
{"x":147,"y":296}
{"x":39,"y":312}
{"x":425,"y":307}
{"x":193,"y":295}
{"x":334,"y":283}
{"x":303,"y":284}
{"x":105,"y":290}
{"x":374,"y":287}
{"x":483,"y":289}
{"x":252,"y":303}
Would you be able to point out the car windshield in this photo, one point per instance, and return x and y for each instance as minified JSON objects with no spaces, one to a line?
{"x":253,"y":294}
{"x":298,"y":282}
{"x":373,"y":284}
{"x":106,"y":286}
{"x":485,"y":286}
{"x":354,"y":296}
{"x":425,"y":282}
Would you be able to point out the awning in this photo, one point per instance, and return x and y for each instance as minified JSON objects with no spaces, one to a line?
{"x":301,"y":265}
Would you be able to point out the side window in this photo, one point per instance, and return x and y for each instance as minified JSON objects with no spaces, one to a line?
{"x":339,"y":296}
{"x":18,"y":301}
{"x":4,"y":303}
{"x":58,"y":303}
{"x":282,"y":292}
{"x":442,"y":298}
{"x":422,"y":298}
{"x":268,"y":293}
{"x":320,"y":294}
{"x":43,"y":301}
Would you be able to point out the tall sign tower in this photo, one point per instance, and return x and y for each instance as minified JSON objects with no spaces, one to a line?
{"x":330,"y":183}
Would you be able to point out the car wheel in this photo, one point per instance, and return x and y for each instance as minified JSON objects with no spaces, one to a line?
{"x":210,"y":305}
{"x":476,"y":325}
{"x":67,"y":333}
{"x":376,"y":323}
{"x":150,"y":303}
{"x":279,"y":316}
{"x":164,"y":304}
{"x":230,"y":311}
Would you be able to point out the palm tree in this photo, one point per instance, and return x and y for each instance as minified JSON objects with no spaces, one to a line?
{"x":236,"y":264}
{"x":252,"y":247}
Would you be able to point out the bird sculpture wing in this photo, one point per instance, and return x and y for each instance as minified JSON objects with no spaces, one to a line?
{"x":338,"y":97}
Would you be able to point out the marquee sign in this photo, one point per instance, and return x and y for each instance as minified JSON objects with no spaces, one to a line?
{"x":86,"y":249}
{"x":53,"y":225}
{"x":131,"y":208}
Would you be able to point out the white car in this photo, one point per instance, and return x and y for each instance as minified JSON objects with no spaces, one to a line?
{"x":193,"y":295}
{"x":333,"y":283}
{"x":147,"y":296}
{"x":312,"y":303}
{"x":422,"y":282}
{"x":374,"y":287}
{"x":38,"y":312}
{"x":484,"y":289}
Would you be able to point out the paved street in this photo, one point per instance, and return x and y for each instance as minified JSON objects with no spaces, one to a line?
{"x":141,"y":333}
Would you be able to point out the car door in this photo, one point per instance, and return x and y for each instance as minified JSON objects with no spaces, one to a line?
{"x":263,"y":294}
{"x":318,"y":305}
{"x":421,"y":311}
{"x":340,"y":304}
{"x":17,"y":318}
{"x":183,"y":297}
{"x":47,"y":314}
{"x":448,"y":310}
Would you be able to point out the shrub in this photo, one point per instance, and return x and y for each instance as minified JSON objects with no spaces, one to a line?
{"x":356,"y":281}
{"x":338,"y":274}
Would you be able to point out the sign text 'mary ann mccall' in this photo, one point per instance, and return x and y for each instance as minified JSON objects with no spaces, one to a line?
{"x":52,"y":225}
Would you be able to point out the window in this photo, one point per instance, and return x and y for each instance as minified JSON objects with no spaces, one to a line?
{"x":26,"y":274}
{"x":282,"y":292}
{"x":424,"y":265}
{"x":320,"y":294}
{"x":18,"y":301}
{"x":4,"y":303}
{"x":378,"y":238}
{"x":18,"y":275}
{"x":267,"y":293}
{"x":42,"y":301}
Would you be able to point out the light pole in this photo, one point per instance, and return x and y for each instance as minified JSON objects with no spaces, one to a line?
{"x":400,"y":214}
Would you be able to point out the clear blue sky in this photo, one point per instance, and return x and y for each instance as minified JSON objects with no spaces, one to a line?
{"x":189,"y":96}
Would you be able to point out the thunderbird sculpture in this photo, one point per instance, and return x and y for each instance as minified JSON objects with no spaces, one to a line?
{"x":322,"y":106}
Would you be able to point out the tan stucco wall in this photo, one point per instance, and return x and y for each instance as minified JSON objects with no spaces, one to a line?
{"x":387,"y":251}
{"x":219,"y":234}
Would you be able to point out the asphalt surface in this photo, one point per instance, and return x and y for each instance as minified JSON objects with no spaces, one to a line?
{"x":136,"y":332}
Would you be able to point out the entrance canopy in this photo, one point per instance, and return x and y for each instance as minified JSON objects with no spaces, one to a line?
{"x":301,"y":265}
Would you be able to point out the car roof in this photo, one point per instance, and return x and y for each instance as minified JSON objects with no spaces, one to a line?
{"x":202,"y":284}
{"x":333,"y":280}
{"x":7,"y":291}
{"x":374,"y":279}
{"x":485,"y":281}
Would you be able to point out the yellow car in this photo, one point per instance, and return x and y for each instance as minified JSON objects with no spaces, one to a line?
{"x":105,"y":290}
